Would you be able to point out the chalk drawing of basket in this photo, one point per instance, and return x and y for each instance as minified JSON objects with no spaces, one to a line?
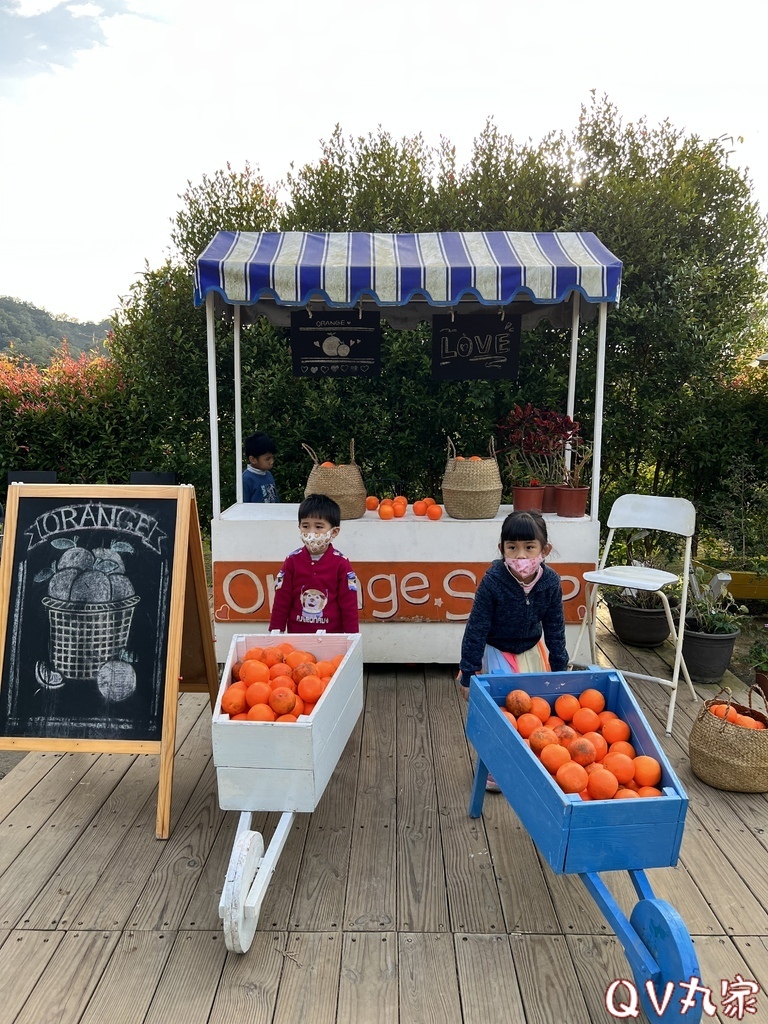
{"x":85,"y":636}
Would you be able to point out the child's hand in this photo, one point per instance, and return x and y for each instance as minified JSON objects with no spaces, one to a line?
{"x":464,"y":690}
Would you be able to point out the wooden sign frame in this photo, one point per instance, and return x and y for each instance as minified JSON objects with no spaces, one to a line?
{"x":190,"y":659}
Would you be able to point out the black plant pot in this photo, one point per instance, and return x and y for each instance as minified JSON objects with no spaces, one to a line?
{"x":640,"y":627}
{"x":708,"y":655}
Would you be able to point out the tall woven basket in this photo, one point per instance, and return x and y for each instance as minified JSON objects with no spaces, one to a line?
{"x":471,"y":487}
{"x":726,"y":755}
{"x":343,"y":483}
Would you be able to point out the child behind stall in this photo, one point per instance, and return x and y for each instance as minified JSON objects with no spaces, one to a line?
{"x":258,"y":482}
{"x":316,"y":589}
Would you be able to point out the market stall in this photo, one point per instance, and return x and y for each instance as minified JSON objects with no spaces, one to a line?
{"x":417,"y":576}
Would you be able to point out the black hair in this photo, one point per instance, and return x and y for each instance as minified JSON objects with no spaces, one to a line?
{"x":259,"y":444}
{"x":320,"y":506}
{"x":524,"y":526}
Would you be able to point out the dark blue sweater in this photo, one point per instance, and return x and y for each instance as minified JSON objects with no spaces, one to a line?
{"x":510,"y":620}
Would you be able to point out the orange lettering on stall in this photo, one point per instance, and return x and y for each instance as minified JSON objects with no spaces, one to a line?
{"x":387,"y":591}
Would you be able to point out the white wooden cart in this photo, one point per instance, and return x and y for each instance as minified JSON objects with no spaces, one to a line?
{"x":278,"y":766}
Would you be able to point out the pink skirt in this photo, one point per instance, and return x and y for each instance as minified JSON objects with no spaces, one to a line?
{"x":536,"y":659}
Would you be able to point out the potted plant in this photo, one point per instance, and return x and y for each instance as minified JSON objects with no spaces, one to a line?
{"x":637,"y":616}
{"x":571,"y":495}
{"x":710,"y":629}
{"x":534,"y":443}
{"x":758,"y":659}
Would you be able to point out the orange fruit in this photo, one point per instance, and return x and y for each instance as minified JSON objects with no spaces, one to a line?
{"x":233,"y":701}
{"x":286,"y":648}
{"x":593,"y":699}
{"x":615,"y":730}
{"x":623,"y":767}
{"x":434,"y":512}
{"x":420,"y":508}
{"x":240,"y":718}
{"x":518,"y":702}
{"x":622,"y":793}
{"x":279,"y":669}
{"x":386,"y":511}
{"x":585,"y":720}
{"x":565,"y":734}
{"x":598,"y":742}
{"x":306,"y":668}
{"x":282,"y":700}
{"x":746,"y":722}
{"x":254,"y":672}
{"x":541,"y":738}
{"x":553,"y":756}
{"x":566,"y":706}
{"x":594,"y":767}
{"x":254,"y":654}
{"x":527,"y":723}
{"x":571,"y":777}
{"x":475,"y":458}
{"x":622,"y":747}
{"x":428,"y":501}
{"x":286,"y":718}
{"x":286,"y":681}
{"x":387,"y":501}
{"x":271,"y":656}
{"x":330,"y":465}
{"x":236,"y":671}
{"x":726,"y":711}
{"x":298,"y":657}
{"x":647,"y":771}
{"x":298,"y":707}
{"x":582,"y":751}
{"x":510,"y":717}
{"x":261,"y":713}
{"x":400,"y":497}
{"x":649,"y":791}
{"x":541,"y":708}
{"x":602,"y":785}
{"x":371,"y":502}
{"x":324,"y":668}
{"x":257,"y":693}
{"x":240,"y":685}
{"x":606,"y":716}
{"x":337,"y":660}
{"x":309,"y":708}
{"x":310,"y":689}
{"x":400,"y":509}
{"x":553,"y":721}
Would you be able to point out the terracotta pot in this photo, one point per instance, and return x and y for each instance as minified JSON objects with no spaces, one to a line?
{"x":528,"y":499}
{"x":571,"y":501}
{"x":640,"y":627}
{"x":708,"y":655}
{"x":549,"y":501}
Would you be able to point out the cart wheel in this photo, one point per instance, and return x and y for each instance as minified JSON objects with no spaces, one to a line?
{"x":664,"y":934}
{"x":239,"y":927}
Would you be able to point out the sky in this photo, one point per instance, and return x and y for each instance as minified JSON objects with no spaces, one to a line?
{"x":108,"y":108}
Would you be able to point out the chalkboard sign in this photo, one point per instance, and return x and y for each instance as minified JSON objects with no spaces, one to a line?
{"x":481,"y":347}
{"x":336,"y":343}
{"x":100,"y":586}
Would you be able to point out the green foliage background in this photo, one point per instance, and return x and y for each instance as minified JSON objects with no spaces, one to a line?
{"x":681,"y":404}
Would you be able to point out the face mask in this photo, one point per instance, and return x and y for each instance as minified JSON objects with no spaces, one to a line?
{"x":524,"y":566}
{"x":316,"y":543}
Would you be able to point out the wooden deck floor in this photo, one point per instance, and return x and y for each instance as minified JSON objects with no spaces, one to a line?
{"x":388,"y":904}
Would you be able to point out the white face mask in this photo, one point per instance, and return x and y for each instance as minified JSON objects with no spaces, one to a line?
{"x":316,"y":543}
{"x":524,"y":566}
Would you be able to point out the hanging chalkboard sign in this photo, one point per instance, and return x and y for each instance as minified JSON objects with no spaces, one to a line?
{"x":336,"y":343}
{"x":100,"y":590}
{"x":475,"y":347}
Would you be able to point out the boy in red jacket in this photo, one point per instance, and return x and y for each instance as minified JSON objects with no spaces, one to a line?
{"x":316,"y":587}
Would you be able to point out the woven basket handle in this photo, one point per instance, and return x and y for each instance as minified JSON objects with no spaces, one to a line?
{"x":451,"y":449}
{"x":308,"y":449}
{"x":492,"y":448}
{"x":759,"y":692}
{"x":352,"y":451}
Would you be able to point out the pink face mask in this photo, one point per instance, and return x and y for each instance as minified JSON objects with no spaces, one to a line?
{"x":524,"y":566}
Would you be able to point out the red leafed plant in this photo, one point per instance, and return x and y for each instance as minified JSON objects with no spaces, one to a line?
{"x":535,"y":442}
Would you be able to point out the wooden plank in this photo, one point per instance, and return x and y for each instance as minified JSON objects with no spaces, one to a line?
{"x":65,"y":987}
{"x":249,"y":984}
{"x":135,"y":967}
{"x":548,"y":984}
{"x":487,"y":980}
{"x":188,"y":984}
{"x":26,"y":775}
{"x":421,"y":895}
{"x":473,"y":896}
{"x":113,"y":898}
{"x":74,"y":879}
{"x":429,"y":990}
{"x":754,"y":950}
{"x":310,"y":981}
{"x":30,"y":871}
{"x":721,"y":960}
{"x":24,"y":957}
{"x":598,"y":961}
{"x":319,"y":899}
{"x":368,"y":979}
{"x":371,"y":898}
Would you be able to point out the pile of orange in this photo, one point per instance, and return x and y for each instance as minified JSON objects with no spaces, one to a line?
{"x":395,"y":508}
{"x":585,"y":747}
{"x":730,"y":714}
{"x":277,"y":684}
{"x":472,"y":458}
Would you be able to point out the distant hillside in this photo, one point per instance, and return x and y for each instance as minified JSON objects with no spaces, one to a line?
{"x":32,"y":332}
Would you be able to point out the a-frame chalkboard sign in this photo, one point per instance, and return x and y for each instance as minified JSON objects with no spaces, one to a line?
{"x":104,"y":618}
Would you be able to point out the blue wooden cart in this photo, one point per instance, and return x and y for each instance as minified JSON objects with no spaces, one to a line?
{"x":586,"y":837}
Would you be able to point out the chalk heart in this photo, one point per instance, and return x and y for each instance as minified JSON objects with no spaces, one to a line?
{"x":323,"y":369}
{"x":305,"y":369}
{"x":335,"y":367}
{"x":314,"y":369}
{"x":344,"y":368}
{"x":222,"y":613}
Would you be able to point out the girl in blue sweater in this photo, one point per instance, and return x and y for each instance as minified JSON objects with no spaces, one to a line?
{"x":519,"y":600}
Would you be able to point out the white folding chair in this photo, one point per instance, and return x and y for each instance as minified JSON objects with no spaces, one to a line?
{"x":649,"y":512}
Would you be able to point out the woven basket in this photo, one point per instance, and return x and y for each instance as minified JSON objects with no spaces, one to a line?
{"x":85,"y":636}
{"x":343,"y":483}
{"x":471,"y":487}
{"x":728,"y":756}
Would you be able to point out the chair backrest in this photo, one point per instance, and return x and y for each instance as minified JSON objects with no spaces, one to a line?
{"x":653,"y":512}
{"x":140,"y":477}
{"x":32,"y":476}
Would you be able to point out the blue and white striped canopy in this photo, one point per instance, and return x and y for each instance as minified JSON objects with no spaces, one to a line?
{"x":342,"y":269}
